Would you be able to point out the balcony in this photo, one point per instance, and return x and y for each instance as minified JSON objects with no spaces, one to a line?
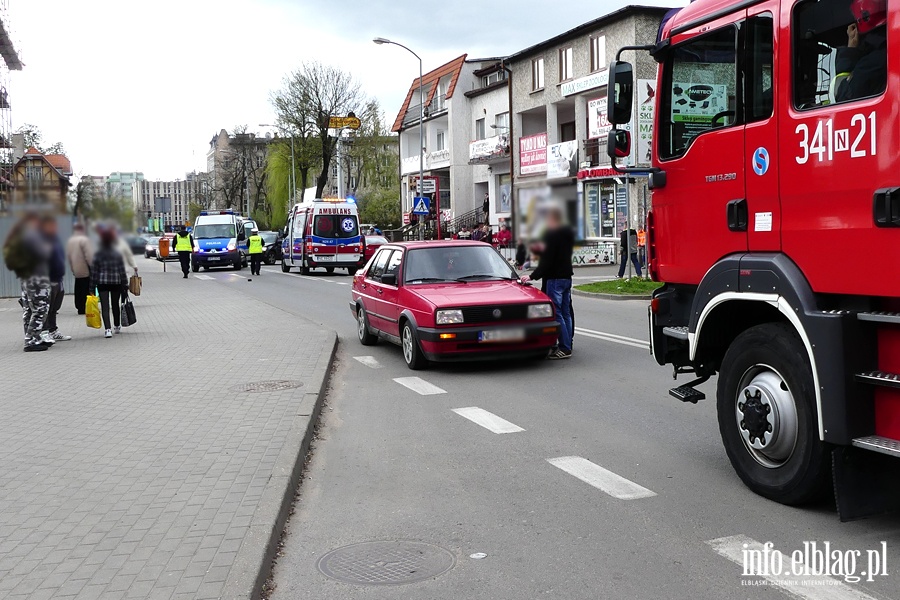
{"x":438,"y":105}
{"x":594,"y":153}
{"x":489,"y":150}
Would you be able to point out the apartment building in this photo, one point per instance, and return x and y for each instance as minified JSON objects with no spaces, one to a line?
{"x":168,"y":201}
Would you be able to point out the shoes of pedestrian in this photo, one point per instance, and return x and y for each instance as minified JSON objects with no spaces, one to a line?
{"x":560,"y":355}
{"x":46,"y":337}
{"x":118,"y":329}
{"x":80,"y":312}
{"x":108,"y":333}
{"x":35,"y":347}
{"x":58,"y":337}
{"x":185,"y":276}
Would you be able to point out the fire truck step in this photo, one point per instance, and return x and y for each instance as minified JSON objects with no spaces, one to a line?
{"x":880,"y":317}
{"x":879,"y":378}
{"x":877,"y":443}
{"x":686,"y":393}
{"x":679,"y":333}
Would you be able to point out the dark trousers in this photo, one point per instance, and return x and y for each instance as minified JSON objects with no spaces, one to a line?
{"x":56,"y":299}
{"x":255,"y":263}
{"x":82,"y":285}
{"x":634,"y":261}
{"x":185,"y":258}
{"x":109,"y":300}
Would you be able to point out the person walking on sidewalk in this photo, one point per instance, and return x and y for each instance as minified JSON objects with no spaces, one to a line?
{"x":80,"y":253}
{"x":125,"y":250}
{"x":255,"y":248}
{"x":57,"y":271}
{"x":184,"y":245}
{"x":26,"y":253}
{"x":109,"y":279}
{"x":628,"y":239}
{"x":555,"y":269}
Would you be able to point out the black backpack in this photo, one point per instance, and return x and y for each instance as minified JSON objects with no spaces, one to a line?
{"x":17,"y":257}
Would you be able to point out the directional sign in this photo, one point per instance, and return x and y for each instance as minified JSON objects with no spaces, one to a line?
{"x":428,"y":186}
{"x":421,"y":206}
{"x":350,"y":122}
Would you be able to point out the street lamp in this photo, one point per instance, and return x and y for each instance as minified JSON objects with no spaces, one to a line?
{"x":293,"y":174}
{"x":380,"y":41}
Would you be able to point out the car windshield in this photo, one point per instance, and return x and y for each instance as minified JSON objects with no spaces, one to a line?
{"x":269,"y":237}
{"x":208,"y":232}
{"x":335,"y":226}
{"x":456,"y":263}
{"x":153,"y":241}
{"x":376,"y":240}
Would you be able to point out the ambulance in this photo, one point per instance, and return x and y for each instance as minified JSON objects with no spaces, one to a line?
{"x":323,"y":234}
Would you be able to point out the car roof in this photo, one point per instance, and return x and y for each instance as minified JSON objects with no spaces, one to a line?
{"x":440,"y":244}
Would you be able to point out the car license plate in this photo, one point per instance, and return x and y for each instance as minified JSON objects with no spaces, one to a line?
{"x":321,"y":258}
{"x":502,"y":335}
{"x":213,"y":258}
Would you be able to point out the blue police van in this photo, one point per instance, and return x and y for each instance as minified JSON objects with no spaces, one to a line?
{"x":220,"y":240}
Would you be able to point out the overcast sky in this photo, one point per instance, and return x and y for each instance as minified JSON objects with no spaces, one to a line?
{"x":144,"y":86}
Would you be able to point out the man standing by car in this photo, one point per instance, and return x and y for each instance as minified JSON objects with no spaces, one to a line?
{"x":81,"y":255}
{"x":255,"y":249}
{"x":555,"y":268}
{"x":184,"y":245}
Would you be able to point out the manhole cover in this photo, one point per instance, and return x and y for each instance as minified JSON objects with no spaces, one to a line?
{"x":386,"y":563}
{"x":267,"y":386}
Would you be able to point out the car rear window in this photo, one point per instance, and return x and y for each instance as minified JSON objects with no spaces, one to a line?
{"x":335,"y":226}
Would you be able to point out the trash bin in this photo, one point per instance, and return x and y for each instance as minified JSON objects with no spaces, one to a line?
{"x":163,"y":247}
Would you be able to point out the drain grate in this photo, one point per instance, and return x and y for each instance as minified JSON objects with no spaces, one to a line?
{"x":386,"y":563}
{"x":267,"y":386}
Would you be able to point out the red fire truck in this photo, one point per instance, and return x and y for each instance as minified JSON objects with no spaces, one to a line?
{"x":776,"y":229}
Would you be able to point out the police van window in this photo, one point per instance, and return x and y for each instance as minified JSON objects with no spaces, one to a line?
{"x":378,"y":265}
{"x":840,"y":51}
{"x":700,"y":90}
{"x":760,"y":53}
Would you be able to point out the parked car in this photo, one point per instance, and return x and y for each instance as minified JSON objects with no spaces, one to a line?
{"x":137,"y":243}
{"x":373,"y":243}
{"x":271,"y":247}
{"x":450,"y":300}
{"x":151,"y":247}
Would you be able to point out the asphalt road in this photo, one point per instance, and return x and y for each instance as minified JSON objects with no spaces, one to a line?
{"x":602,"y":486}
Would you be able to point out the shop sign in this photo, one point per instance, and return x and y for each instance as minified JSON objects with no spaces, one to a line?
{"x":562,"y":160}
{"x":533,"y":154}
{"x":492,"y":147}
{"x":583,"y":84}
{"x":597,"y":173}
{"x":603,"y":253}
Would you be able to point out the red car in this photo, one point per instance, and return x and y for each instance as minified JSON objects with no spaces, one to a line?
{"x":373,"y":243}
{"x":450,"y":300}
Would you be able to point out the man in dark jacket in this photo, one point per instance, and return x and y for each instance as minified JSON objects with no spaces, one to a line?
{"x":865,"y":56}
{"x":27,"y":253}
{"x":57,"y":271}
{"x":555,"y":269}
{"x":628,"y":239}
{"x":184,"y":245}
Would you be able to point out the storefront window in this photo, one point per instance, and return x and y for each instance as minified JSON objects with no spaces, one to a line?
{"x":600,"y":209}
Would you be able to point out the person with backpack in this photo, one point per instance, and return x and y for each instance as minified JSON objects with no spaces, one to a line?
{"x":26,"y":253}
{"x":108,"y":277}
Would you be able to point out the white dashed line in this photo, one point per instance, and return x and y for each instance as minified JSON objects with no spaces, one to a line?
{"x":419,"y":386}
{"x":206,"y":277}
{"x":790,"y":580}
{"x":611,"y":337}
{"x":369,"y":361}
{"x":602,"y":479}
{"x":488,"y":420}
{"x":236,"y":275}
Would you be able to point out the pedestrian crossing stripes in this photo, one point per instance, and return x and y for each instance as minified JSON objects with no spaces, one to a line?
{"x":369,"y":361}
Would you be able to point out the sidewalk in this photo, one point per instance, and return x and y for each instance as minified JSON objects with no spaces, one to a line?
{"x":141,"y":466}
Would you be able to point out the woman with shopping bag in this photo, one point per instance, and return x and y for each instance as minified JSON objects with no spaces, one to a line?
{"x":108,"y":277}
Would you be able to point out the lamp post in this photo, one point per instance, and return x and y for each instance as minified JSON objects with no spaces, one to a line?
{"x":293,"y":173}
{"x":380,"y":41}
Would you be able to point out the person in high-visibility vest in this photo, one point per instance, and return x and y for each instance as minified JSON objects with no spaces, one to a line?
{"x":642,"y":247}
{"x":255,"y":248}
{"x":184,"y":245}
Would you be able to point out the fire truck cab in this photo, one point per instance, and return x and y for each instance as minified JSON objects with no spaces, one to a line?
{"x":776,"y":229}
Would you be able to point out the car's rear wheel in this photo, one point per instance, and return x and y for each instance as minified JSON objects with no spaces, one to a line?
{"x":284,"y":267}
{"x":362,"y":328}
{"x":329,"y":270}
{"x":352,"y":271}
{"x":412,"y":353}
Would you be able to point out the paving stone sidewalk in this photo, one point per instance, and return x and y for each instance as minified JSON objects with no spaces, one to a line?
{"x":136,"y":467}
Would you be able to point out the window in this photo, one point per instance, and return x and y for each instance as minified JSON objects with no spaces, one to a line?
{"x":479,"y":129}
{"x":699,"y":91}
{"x":828,"y":71}
{"x":758,"y":78}
{"x":566,"y":64}
{"x":492,"y":78}
{"x":393,"y":265}
{"x":378,"y":265}
{"x":598,"y":53}
{"x":501,"y":123}
{"x":441,"y":140}
{"x":537,"y":74}
{"x":34,"y":173}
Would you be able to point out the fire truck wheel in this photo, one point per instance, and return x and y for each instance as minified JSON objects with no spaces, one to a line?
{"x":767,"y":416}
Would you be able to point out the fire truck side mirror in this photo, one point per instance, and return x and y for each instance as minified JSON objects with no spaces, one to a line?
{"x":620,"y":92}
{"x":618,"y":144}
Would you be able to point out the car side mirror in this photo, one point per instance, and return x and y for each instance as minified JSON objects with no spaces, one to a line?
{"x":618,"y":144}
{"x":389,"y":279}
{"x":620,"y":92}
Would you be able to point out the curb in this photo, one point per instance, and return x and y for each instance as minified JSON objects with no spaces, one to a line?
{"x":254,"y":558}
{"x":609,"y":296}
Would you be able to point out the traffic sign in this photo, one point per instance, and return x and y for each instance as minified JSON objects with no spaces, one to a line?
{"x":421,"y":206}
{"x":428,"y":186}
{"x":351,"y":122}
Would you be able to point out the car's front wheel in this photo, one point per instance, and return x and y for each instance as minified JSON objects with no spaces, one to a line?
{"x":412,"y":353}
{"x":362,"y":328}
{"x":284,"y":267}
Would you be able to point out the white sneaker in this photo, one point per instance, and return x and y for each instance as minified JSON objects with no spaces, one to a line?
{"x":108,"y":333}
{"x":118,"y":329}
{"x":57,"y":336}
{"x":46,"y":337}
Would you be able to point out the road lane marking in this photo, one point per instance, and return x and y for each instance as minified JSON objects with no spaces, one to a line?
{"x":369,"y":361}
{"x":236,"y":275}
{"x":488,"y":420}
{"x":419,"y":386}
{"x":806,"y":587}
{"x":611,"y":337}
{"x":604,"y":480}
{"x":203,"y":277}
{"x":340,"y":282}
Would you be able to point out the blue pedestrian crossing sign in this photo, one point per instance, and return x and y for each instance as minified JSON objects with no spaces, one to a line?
{"x":421,"y":206}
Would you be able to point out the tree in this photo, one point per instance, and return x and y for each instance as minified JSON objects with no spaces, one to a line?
{"x":112,"y":208}
{"x":35,"y":138}
{"x":381,"y":206}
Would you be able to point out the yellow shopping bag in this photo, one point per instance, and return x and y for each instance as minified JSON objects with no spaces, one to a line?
{"x":92,"y":312}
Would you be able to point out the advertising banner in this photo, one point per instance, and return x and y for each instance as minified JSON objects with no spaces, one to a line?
{"x":533,"y":154}
{"x":695,"y":104}
{"x":562,"y":160}
{"x":646,"y":94}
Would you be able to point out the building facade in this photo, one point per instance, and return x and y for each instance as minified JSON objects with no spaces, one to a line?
{"x":41,"y":182}
{"x":166,"y":205}
{"x":559,"y":114}
{"x":236,"y":165}
{"x":120,"y":184}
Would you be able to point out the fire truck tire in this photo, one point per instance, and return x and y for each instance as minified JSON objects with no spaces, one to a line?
{"x":766,"y":406}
